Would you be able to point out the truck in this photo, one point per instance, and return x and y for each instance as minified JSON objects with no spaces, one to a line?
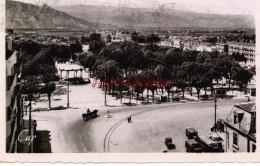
{"x":191,"y":133}
{"x":193,"y":146}
{"x":194,"y":143}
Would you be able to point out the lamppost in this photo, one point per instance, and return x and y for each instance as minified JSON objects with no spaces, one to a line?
{"x":68,"y":94}
{"x":215,"y":125}
{"x":105,"y":89}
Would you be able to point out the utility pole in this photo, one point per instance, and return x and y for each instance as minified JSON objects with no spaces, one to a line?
{"x":30,"y":124}
{"x":105,"y":89}
{"x":68,"y":95}
{"x":215,"y":126}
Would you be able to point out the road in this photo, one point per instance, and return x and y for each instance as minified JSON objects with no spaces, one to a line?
{"x":146,"y":134}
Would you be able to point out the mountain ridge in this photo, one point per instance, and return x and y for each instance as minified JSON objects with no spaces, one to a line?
{"x":25,"y":15}
{"x":115,"y":16}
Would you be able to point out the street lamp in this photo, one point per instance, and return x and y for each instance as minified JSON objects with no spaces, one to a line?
{"x":215,"y":125}
{"x":68,"y":94}
{"x":105,"y":89}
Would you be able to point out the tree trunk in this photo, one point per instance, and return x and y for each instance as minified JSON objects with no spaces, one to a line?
{"x":49,"y":98}
{"x":121,"y":96}
{"x":168,"y":95}
{"x":205,"y":89}
{"x":30,"y":114}
{"x":191,"y":91}
{"x":198,"y":92}
{"x":245,"y":89}
{"x":153,"y":95}
{"x":162,"y":90}
{"x":130,"y":96}
{"x":142,"y":96}
{"x":183,"y":90}
{"x":229,"y":82}
{"x":147,"y":95}
{"x":172,"y":94}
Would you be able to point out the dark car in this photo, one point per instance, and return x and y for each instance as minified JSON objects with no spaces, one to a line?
{"x":211,"y":145}
{"x":191,"y":133}
{"x":169,"y":144}
{"x":90,"y":115}
{"x":193,"y":146}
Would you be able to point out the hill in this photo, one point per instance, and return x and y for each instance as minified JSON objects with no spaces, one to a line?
{"x":147,"y":18}
{"x":24,"y":15}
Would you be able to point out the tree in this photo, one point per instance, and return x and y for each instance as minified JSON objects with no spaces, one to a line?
{"x":95,"y":37}
{"x":152,"y":38}
{"x":109,"y":70}
{"x":30,"y":86}
{"x":77,"y":47}
{"x":28,"y":46}
{"x":96,"y":46}
{"x":181,"y":80}
{"x":243,"y":77}
{"x":173,"y":58}
{"x":48,"y":88}
{"x":148,"y":77}
{"x":109,"y":38}
{"x":87,"y":61}
{"x":44,"y":57}
{"x":201,"y":79}
{"x":190,"y":68}
{"x":162,"y":73}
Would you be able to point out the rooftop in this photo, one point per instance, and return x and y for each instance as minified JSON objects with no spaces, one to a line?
{"x":248,"y":107}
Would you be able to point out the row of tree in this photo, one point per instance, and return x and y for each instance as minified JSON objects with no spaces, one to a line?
{"x":185,"y":69}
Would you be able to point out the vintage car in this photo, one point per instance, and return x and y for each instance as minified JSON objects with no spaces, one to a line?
{"x":191,"y":133}
{"x":210,"y":145}
{"x":193,"y":146}
{"x":90,"y":115}
{"x":169,"y":144}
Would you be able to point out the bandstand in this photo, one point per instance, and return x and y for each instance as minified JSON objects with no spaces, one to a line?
{"x":67,"y":68}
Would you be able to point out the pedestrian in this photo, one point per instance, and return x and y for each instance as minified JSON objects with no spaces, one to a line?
{"x":107,"y":112}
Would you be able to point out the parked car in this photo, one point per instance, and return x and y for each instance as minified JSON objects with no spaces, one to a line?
{"x":191,"y":133}
{"x":193,"y":146}
{"x":169,"y":144}
{"x":210,"y":145}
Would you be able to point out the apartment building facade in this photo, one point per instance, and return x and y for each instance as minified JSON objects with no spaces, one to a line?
{"x":240,"y":128}
{"x":247,"y":49}
{"x":14,"y":102}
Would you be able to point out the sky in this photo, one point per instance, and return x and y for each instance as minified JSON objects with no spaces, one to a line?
{"x":244,"y":7}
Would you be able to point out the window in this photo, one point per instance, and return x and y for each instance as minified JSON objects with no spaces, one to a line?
{"x":235,"y":139}
{"x":253,"y":147}
{"x":235,"y":118}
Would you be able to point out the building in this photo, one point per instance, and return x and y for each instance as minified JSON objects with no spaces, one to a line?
{"x":166,"y":43}
{"x":191,"y":44}
{"x":13,"y":101}
{"x":85,"y":47}
{"x":177,"y":43}
{"x":247,"y":49}
{"x":240,"y":128}
{"x":222,"y":48}
{"x":204,"y":46}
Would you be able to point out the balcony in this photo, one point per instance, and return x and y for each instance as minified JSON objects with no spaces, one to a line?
{"x":10,"y":64}
{"x":11,"y":92}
